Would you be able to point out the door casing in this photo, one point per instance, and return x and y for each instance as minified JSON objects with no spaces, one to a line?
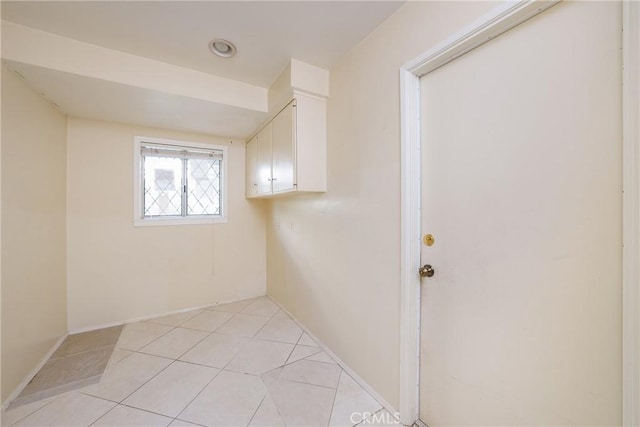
{"x":498,"y":21}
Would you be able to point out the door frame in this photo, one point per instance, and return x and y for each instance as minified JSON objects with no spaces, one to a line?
{"x":499,"y":20}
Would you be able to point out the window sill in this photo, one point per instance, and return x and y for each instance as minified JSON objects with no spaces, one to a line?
{"x":151,"y":222}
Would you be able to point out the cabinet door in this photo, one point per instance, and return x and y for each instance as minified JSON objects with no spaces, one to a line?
{"x":264,"y":161}
{"x":251,"y":171}
{"x":284,"y":150}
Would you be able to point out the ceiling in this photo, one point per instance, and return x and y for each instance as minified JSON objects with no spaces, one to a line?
{"x":83,"y":96}
{"x":267,"y":34}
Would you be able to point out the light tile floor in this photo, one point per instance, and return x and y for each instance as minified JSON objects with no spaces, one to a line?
{"x":239,"y":364}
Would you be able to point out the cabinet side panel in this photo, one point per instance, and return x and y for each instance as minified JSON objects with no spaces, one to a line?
{"x":311,"y":147}
{"x":251,"y":168}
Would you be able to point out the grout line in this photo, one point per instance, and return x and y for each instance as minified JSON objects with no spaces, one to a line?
{"x":196,"y":396}
{"x":156,"y":338}
{"x":265,"y":324}
{"x":102,"y":416}
{"x":309,"y":360}
{"x":146,"y":382}
{"x":294,"y":347}
{"x":233,"y":315}
{"x":320,"y":361}
{"x":125,"y":357}
{"x":98,"y":397}
{"x":335,"y":395}
{"x":105,"y":413}
{"x":146,"y":410}
{"x":193,"y":346}
{"x":258,"y":407}
{"x":302,"y":382}
{"x":34,"y":411}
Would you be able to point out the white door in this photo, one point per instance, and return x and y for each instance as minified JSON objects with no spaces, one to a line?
{"x":521,"y":189}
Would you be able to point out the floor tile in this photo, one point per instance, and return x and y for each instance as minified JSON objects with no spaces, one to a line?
{"x":316,"y":373}
{"x":171,"y":390}
{"x":321,"y":357}
{"x":231,"y":399}
{"x":216,"y":350}
{"x":256,"y":357}
{"x":280,"y":329}
{"x":124,"y":416}
{"x":302,"y":351}
{"x":13,"y":415}
{"x":267,"y":415}
{"x":234,"y":307}
{"x":134,"y":336}
{"x":256,"y":369}
{"x":176,"y":319}
{"x":299,"y":404}
{"x":208,"y":320}
{"x":175,"y":343}
{"x":262,"y":306}
{"x":351,"y":402}
{"x":85,"y":341}
{"x":64,"y":373}
{"x":244,"y":325}
{"x":306,"y":340}
{"x":71,"y":409}
{"x":127,"y":376}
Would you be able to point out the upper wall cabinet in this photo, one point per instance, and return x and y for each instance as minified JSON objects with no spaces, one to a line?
{"x":289,"y":154}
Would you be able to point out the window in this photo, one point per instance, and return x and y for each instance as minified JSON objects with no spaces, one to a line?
{"x":178,"y":182}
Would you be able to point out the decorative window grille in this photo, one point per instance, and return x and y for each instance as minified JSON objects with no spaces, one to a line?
{"x":180,"y":181}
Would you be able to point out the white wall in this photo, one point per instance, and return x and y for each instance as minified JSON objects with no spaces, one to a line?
{"x":117,"y":271}
{"x":33,"y":229}
{"x":334,"y":259}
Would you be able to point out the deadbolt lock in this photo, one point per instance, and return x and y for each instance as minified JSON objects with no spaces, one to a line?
{"x":428,"y":239}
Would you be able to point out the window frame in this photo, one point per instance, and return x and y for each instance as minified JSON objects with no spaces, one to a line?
{"x":138,"y":192}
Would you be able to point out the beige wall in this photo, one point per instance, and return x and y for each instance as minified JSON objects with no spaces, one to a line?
{"x":33,"y":229}
{"x":1,"y":69}
{"x":117,"y":271}
{"x":334,"y":259}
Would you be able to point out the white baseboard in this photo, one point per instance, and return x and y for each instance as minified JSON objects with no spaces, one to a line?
{"x":343,"y":365}
{"x":16,"y":392}
{"x":153,"y":316}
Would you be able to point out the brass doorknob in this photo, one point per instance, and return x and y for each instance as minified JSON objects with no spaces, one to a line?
{"x":426,"y":271}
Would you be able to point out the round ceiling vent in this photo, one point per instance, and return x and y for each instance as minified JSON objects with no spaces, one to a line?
{"x":222,"y":48}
